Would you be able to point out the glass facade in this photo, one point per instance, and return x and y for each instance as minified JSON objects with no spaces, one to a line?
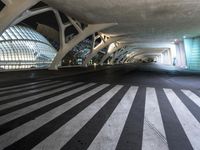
{"x":22,"y":47}
{"x":77,"y":55}
{"x":192,"y":49}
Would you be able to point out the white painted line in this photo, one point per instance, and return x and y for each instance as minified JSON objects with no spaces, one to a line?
{"x":26,"y":91}
{"x":34,"y":97}
{"x":192,"y":96}
{"x":21,"y":85}
{"x":189,"y":123}
{"x":37,"y":86}
{"x":154,"y":136}
{"x":36,"y":106}
{"x":109,"y":135}
{"x":61,"y":136}
{"x":25,"y":129}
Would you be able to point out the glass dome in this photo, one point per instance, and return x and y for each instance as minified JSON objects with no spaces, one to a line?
{"x":23,"y":47}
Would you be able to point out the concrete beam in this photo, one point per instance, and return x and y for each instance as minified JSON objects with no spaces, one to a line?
{"x":12,"y":11}
{"x":30,"y":13}
{"x":117,"y":54}
{"x":112,"y":48}
{"x":89,"y":30}
{"x":100,"y":46}
{"x":119,"y":60}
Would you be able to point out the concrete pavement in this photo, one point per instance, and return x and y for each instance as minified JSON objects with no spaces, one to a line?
{"x":123,"y":107}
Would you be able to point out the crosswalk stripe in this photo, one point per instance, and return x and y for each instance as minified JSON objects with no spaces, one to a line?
{"x":21,"y":85}
{"x":39,"y":105}
{"x":8,"y":126}
{"x":153,"y":131}
{"x":112,"y":129}
{"x":37,"y":100}
{"x":176,"y":137}
{"x":31,"y":87}
{"x":31,"y":126}
{"x":34,"y":97}
{"x":67,"y":131}
{"x":95,"y":124}
{"x":189,"y":123}
{"x":193,"y":108}
{"x":192,"y":96}
{"x":27,"y":91}
{"x":131,"y":136}
{"x":69,"y":115}
{"x":32,"y":139}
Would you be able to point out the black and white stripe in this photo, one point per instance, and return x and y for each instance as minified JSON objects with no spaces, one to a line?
{"x":78,"y":116}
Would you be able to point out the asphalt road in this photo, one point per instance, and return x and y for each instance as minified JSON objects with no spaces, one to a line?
{"x":152,"y":75}
{"x":140,"y":107}
{"x":144,"y":75}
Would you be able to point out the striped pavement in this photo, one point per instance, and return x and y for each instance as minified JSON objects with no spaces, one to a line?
{"x":52,"y":115}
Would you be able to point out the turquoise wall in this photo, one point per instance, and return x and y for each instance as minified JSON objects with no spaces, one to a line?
{"x":192,"y":50}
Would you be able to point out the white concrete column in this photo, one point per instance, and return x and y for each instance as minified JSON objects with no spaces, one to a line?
{"x":168,"y":57}
{"x":183,"y":55}
{"x":120,"y":58}
{"x":180,"y":55}
{"x":165,"y":57}
{"x":124,"y":60}
{"x":103,"y":44}
{"x":115,"y":56}
{"x":89,"y":30}
{"x":13,"y":10}
{"x":169,"y":54}
{"x":112,"y":48}
{"x":127,"y":57}
{"x":159,"y":59}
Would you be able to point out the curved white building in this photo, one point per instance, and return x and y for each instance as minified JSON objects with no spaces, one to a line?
{"x":23,"y":47}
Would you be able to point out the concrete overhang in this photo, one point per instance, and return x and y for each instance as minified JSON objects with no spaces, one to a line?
{"x":142,"y":21}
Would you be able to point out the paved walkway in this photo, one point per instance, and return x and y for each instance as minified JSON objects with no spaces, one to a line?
{"x":71,"y":115}
{"x":123,"y":108}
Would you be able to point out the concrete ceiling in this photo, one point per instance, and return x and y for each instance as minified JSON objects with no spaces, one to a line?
{"x":142,"y":21}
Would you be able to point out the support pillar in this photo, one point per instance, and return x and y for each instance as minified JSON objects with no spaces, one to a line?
{"x":180,"y":55}
{"x":103,"y":44}
{"x":89,"y":30}
{"x":112,"y":48}
{"x":117,"y":55}
{"x":126,"y":58}
{"x":121,"y":57}
{"x":169,"y":54}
